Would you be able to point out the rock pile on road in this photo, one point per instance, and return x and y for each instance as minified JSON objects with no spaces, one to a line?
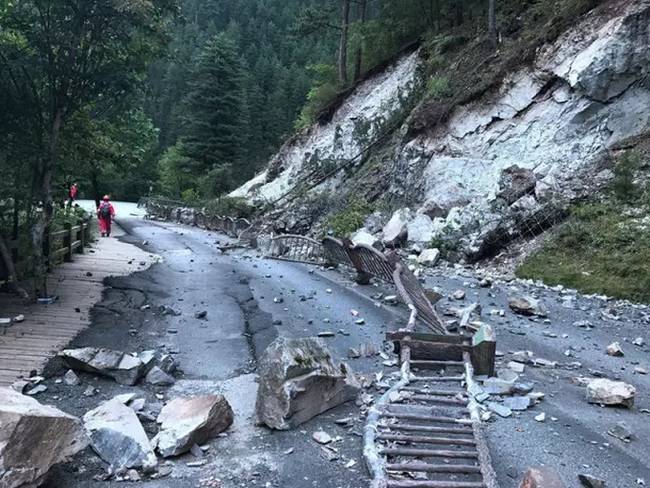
{"x":298,"y":380}
{"x":124,"y":368}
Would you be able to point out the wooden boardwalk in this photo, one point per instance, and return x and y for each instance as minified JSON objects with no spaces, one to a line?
{"x":29,"y":345}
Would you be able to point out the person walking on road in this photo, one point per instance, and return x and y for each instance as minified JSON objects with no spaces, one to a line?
{"x":105,"y":214}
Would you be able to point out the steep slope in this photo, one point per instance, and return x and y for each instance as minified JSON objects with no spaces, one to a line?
{"x":503,"y":164}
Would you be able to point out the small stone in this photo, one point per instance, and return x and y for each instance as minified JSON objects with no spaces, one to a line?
{"x":540,"y":417}
{"x":19,"y":318}
{"x":391,"y":299}
{"x":458,"y":295}
{"x":201,"y":315}
{"x":326,"y":333}
{"x":353,"y":353}
{"x":321,"y":437}
{"x":640,"y":370}
{"x":614,"y":349}
{"x":589,"y":481}
{"x":360,"y":321}
{"x":90,"y":391}
{"x":621,"y":431}
{"x":71,"y":379}
{"x":36,"y":390}
{"x":639,"y":341}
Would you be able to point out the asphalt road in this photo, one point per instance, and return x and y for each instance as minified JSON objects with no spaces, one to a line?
{"x":249,"y":301}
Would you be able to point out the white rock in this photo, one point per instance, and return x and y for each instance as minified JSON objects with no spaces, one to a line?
{"x":396,"y":228}
{"x":362,"y":236}
{"x":614,"y":349}
{"x":321,"y":437}
{"x":608,"y":392}
{"x":429,"y":257}
{"x":420,"y":229}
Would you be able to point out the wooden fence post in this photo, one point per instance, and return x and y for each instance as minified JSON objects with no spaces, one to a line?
{"x":82,"y":236}
{"x":67,"y":242}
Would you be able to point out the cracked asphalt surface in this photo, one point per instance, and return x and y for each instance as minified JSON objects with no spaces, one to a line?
{"x":249,"y":301}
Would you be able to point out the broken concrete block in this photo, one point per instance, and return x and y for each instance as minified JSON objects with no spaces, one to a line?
{"x":33,"y":438}
{"x":541,"y":477}
{"x":158,"y":377}
{"x":188,"y":421}
{"x":527,"y":306}
{"x":608,"y":392}
{"x":299,"y":380}
{"x":118,"y":438}
{"x":123,"y":368}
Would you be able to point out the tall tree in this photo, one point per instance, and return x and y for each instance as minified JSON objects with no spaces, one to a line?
{"x":492,"y":27}
{"x":343,"y":42}
{"x":214,"y":133}
{"x":358,"y":62}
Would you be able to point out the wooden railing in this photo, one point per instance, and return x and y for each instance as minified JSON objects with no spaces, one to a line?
{"x":59,"y":246}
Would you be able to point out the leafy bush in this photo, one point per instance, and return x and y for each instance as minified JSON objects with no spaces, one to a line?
{"x":231,"y":207}
{"x":438,"y":87}
{"x":623,"y":186}
{"x":190,"y":196}
{"x":350,"y":219}
{"x":324,"y":91}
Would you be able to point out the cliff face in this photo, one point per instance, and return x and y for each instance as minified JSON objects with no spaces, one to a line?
{"x":538,"y":141}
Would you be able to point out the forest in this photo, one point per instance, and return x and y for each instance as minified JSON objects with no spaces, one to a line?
{"x":187,"y":99}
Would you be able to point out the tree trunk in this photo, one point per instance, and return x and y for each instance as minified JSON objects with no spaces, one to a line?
{"x":358,"y":62}
{"x":492,"y":27}
{"x":343,"y":45}
{"x":12,"y":276}
{"x":44,"y":186}
{"x":95,"y":185}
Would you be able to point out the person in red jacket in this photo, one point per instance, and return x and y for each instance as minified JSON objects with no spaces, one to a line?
{"x":105,"y":214}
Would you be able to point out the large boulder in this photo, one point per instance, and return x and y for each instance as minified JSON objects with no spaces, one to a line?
{"x":395,"y":231}
{"x":123,"y":368}
{"x":429,"y":257}
{"x":188,"y":421}
{"x":528,"y":306}
{"x":608,"y":392}
{"x":33,"y":438}
{"x":117,"y":436}
{"x":299,"y":380}
{"x":420,"y":229}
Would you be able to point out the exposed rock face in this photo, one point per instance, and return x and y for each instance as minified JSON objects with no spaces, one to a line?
{"x":608,"y":392}
{"x":123,"y":368}
{"x":299,"y":380}
{"x":117,"y":436}
{"x":515,"y":156}
{"x":188,"y":421}
{"x":358,"y":122}
{"x":33,"y":438}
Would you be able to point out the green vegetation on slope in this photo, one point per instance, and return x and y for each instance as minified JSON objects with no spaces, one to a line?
{"x":604,"y":246}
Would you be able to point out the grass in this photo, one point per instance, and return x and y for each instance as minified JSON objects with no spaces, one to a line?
{"x":349,"y":219}
{"x":604,"y":246}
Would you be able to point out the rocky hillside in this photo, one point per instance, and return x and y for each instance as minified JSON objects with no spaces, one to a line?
{"x":506,"y":162}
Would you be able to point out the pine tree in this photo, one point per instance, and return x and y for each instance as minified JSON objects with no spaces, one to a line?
{"x":214,"y":132}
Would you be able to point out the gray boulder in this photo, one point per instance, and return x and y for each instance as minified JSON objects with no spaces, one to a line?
{"x":429,"y":257}
{"x":298,"y":380}
{"x":123,"y":368}
{"x":158,"y":377}
{"x":117,"y":436}
{"x":33,"y":438}
{"x":185,"y":422}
